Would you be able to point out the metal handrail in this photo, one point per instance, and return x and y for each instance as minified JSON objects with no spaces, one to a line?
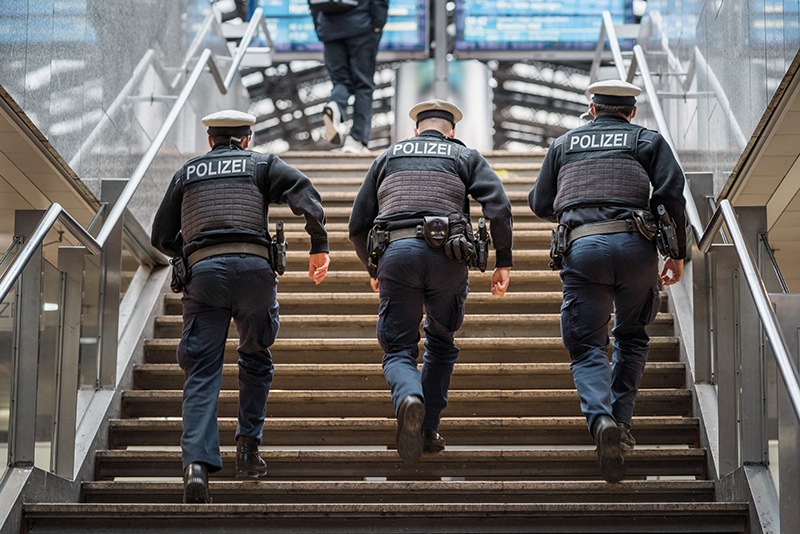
{"x":95,"y":245}
{"x":766,"y":313}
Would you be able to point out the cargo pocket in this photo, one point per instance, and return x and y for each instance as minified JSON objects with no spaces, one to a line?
{"x":183,"y":354}
{"x":457,"y":313}
{"x":567,"y":306}
{"x":385,"y":336}
{"x":651,"y":307}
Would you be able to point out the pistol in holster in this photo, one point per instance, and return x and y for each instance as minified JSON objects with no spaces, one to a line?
{"x":558,"y":245}
{"x":277,"y":250}
{"x":377,"y":241}
{"x":181,"y":274}
{"x":482,"y":242}
{"x":667,"y":235}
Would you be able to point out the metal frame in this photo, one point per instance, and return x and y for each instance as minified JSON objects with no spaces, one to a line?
{"x":25,"y":271}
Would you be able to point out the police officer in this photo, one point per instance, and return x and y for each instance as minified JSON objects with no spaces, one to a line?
{"x":596,"y":181}
{"x":214,"y":213}
{"x":415,"y":196}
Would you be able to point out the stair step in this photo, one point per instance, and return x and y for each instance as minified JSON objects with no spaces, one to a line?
{"x":342,"y":213}
{"x":412,"y":491}
{"x":582,"y":517}
{"x":297,"y":377}
{"x":489,"y":464}
{"x":363,"y":431}
{"x":481,"y":301}
{"x":300,"y":240}
{"x":377,"y":403}
{"x":367,"y":350}
{"x":475,"y":325}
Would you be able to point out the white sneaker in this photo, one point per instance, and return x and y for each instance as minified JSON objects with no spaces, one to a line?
{"x":354,"y":147}
{"x":332,"y":118}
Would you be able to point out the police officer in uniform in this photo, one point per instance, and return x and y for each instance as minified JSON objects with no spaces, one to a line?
{"x":602,"y":181}
{"x":214,"y":213}
{"x":415,"y":196}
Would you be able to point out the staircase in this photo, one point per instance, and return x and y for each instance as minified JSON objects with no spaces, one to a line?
{"x":518,"y":457}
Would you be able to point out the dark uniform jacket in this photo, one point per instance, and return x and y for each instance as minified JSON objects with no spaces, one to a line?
{"x":369,"y":14}
{"x":277,"y":182}
{"x":597,"y":143}
{"x":478,"y":178}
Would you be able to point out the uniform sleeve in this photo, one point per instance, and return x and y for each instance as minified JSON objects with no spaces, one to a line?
{"x":379,"y":10}
{"x":543,"y":195}
{"x":485,"y":187}
{"x":668,"y":182}
{"x":365,"y":209}
{"x":167,"y":222}
{"x":287,"y":185}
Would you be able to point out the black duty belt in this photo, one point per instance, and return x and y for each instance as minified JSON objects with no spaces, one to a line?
{"x":607,"y":227}
{"x":228,"y":249}
{"x":403,"y":233}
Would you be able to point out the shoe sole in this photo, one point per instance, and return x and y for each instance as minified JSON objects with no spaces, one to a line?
{"x":332,"y":134}
{"x":195,"y":493}
{"x":409,"y":437}
{"x":609,"y":455}
{"x":245,"y":475}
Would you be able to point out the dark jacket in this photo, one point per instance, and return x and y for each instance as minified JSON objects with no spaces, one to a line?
{"x":653,"y":154}
{"x":369,"y":15}
{"x":277,"y":181}
{"x":480,"y":181}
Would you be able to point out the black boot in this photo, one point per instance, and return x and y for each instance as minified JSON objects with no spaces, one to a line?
{"x":248,"y":462}
{"x":432,"y":441}
{"x":609,"y":449}
{"x":195,"y":484}
{"x":409,"y":429}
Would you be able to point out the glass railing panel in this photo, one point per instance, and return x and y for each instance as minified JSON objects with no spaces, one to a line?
{"x":90,"y":323}
{"x":7,"y":316}
{"x":49,"y":347}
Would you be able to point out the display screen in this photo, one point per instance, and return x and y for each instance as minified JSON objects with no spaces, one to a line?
{"x":292,"y":30}
{"x":538,"y":25}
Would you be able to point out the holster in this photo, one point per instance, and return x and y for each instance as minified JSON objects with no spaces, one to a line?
{"x":667,"y":236}
{"x":482,"y":242}
{"x":435,"y":230}
{"x":558,"y":245}
{"x":277,"y":250}
{"x":181,"y":274}
{"x":645,"y":223}
{"x":377,"y":241}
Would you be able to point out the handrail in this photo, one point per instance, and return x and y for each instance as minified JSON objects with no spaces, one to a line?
{"x":760,"y":295}
{"x":95,"y":245}
{"x":52,"y":215}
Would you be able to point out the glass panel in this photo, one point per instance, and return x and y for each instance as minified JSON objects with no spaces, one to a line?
{"x":90,"y":325}
{"x":7,"y":314}
{"x":48,"y":356}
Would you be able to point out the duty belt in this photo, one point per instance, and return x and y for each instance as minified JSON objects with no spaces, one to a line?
{"x":403,"y":233}
{"x":227,"y":249}
{"x":606,"y":227}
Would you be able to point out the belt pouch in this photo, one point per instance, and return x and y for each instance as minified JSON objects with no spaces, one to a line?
{"x":435,"y":230}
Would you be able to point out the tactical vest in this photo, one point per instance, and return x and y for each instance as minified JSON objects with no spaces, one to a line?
{"x":599,"y":168}
{"x":220,"y":196}
{"x":421,"y":176}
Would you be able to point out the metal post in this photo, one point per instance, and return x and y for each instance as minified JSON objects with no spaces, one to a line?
{"x":25,"y":366}
{"x":725,"y":361}
{"x":440,"y":89}
{"x":110,"y":285}
{"x":70,"y":263}
{"x":751,"y":343}
{"x":701,"y":186}
{"x":787,"y":308}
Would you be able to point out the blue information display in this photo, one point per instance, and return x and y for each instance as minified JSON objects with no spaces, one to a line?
{"x":292,"y":30}
{"x":534,"y":25}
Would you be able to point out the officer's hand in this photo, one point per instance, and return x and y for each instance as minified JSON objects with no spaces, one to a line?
{"x":500,"y":280}
{"x":374,"y":283}
{"x":318,"y":266}
{"x":672,"y":271}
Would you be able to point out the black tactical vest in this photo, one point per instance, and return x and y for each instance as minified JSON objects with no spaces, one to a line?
{"x":421,"y":176}
{"x":220,"y":196}
{"x":599,"y":168}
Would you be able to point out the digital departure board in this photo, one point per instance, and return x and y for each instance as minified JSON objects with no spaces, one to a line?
{"x":292,"y":30}
{"x":488,"y":25}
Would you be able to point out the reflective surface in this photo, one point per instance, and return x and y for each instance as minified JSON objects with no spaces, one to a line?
{"x":48,"y":356}
{"x":66,"y":63}
{"x":744,"y":46}
{"x":7,"y":313}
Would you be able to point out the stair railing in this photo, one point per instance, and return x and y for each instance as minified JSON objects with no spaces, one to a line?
{"x":730,"y":330}
{"x":24,"y":273}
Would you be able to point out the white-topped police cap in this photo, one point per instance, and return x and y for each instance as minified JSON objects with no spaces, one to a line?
{"x":229,"y":122}
{"x":436,"y":108}
{"x":614,"y":92}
